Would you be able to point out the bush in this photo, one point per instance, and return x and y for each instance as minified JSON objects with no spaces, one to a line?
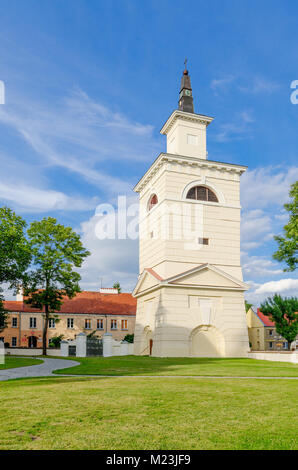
{"x":129,"y":338}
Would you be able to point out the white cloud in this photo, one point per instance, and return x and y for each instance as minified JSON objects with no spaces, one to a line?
{"x":239,"y":128}
{"x":267,"y":186}
{"x":258,"y":266}
{"x":278,"y":286}
{"x":80,"y":134}
{"x":259,"y":85}
{"x":219,"y":84}
{"x":41,"y":200}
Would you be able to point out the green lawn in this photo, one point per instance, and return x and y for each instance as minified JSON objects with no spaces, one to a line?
{"x":11,"y":362}
{"x":148,"y":413}
{"x":144,"y":365}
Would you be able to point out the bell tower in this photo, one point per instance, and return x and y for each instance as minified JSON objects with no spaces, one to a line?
{"x":190,"y":289}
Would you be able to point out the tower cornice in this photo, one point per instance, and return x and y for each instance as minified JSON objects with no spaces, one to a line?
{"x":184,"y":116}
{"x":185,"y":160}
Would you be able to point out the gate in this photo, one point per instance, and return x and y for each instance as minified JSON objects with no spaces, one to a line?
{"x":72,"y":350}
{"x":94,"y":347}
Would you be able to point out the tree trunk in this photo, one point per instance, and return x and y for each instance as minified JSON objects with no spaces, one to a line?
{"x":45,"y":331}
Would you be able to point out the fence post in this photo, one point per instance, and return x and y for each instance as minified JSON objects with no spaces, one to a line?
{"x":81,"y":343}
{"x":107,"y":343}
{"x":64,"y":348}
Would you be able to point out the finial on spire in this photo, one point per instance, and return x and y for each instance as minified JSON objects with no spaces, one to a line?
{"x":185,"y":96}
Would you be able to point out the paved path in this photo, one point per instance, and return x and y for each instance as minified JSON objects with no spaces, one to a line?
{"x":45,"y":369}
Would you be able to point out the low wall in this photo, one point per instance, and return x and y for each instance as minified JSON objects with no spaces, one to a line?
{"x":31,"y":351}
{"x":278,"y":356}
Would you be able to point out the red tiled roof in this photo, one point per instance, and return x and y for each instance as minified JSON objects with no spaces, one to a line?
{"x":266,"y":320}
{"x":88,"y":302}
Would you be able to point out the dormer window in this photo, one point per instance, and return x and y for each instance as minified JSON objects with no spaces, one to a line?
{"x":152,"y":202}
{"x":201,"y":193}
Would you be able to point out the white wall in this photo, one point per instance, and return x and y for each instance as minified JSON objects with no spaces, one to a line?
{"x":278,"y":356}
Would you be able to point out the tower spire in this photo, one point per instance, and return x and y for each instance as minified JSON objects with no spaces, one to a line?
{"x":185,"y":96}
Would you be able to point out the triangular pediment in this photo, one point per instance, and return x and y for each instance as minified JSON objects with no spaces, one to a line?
{"x":207,"y":275}
{"x":147,"y":280}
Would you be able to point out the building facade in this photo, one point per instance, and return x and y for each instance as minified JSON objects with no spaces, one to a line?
{"x":262,"y":333}
{"x":88,"y":312}
{"x":190,"y":289}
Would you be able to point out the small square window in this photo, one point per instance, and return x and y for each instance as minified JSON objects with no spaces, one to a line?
{"x":203,"y":241}
{"x":192,"y":139}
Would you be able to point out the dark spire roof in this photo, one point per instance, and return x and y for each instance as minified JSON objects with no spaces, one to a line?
{"x":185,"y":96}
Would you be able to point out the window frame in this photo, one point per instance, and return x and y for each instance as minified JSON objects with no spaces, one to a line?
{"x":97,"y":322}
{"x":113,"y":320}
{"x":14,"y":339}
{"x":125,"y":321}
{"x":14,"y":319}
{"x":52,"y":320}
{"x":88,"y":321}
{"x":207,"y":191}
{"x":34,"y":321}
{"x":70,"y":321}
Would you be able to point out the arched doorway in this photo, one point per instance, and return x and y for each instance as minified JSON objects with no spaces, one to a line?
{"x":32,"y":342}
{"x":150,"y":346}
{"x":207,"y":341}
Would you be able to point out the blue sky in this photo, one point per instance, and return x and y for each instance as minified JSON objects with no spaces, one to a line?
{"x":89,"y":84}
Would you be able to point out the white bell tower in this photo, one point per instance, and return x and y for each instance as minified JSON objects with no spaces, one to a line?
{"x":190,"y":289}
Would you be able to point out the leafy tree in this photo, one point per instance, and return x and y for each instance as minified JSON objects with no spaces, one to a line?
{"x":15,"y":253}
{"x":56,"y":251}
{"x":129,"y":338}
{"x":288,"y":245}
{"x":55,"y":341}
{"x":284,"y":313}
{"x":117,"y":286}
{"x":247,"y":306}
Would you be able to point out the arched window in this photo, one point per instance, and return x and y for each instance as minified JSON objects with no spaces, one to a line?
{"x":152,"y":202}
{"x":201,"y":193}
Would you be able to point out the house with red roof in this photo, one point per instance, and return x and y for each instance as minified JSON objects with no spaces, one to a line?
{"x":106,"y":311}
{"x":262,"y":333}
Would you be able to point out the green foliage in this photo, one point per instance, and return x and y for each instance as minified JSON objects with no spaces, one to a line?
{"x":92,"y":334}
{"x":117,"y":286}
{"x":288,"y":245}
{"x":56,"y":251}
{"x":284,"y":313}
{"x":55,"y":341}
{"x":15,"y":253}
{"x":129,"y":338}
{"x":247,"y":306}
{"x":3,"y":313}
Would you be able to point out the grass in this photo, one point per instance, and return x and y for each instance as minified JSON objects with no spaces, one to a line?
{"x":11,"y":362}
{"x":148,"y":413}
{"x":144,"y":365}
